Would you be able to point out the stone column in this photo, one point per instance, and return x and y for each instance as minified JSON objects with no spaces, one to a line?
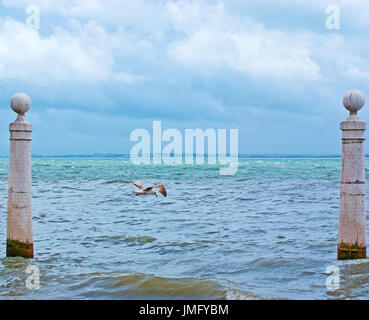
{"x":19,"y":227}
{"x":352,"y":230}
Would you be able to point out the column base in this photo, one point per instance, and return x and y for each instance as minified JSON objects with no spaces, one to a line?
{"x":348,"y":251}
{"x":14,"y":248}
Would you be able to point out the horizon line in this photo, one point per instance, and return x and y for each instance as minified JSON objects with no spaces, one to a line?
{"x":244,"y":155}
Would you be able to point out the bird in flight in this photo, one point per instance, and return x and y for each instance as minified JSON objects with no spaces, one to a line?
{"x":148,"y":190}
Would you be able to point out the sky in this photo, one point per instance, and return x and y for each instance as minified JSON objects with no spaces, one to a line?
{"x":98,"y":69}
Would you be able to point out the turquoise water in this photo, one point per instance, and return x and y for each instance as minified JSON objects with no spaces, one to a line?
{"x":267,"y":232}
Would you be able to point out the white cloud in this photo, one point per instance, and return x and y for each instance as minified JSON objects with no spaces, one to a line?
{"x":138,"y":13}
{"x":86,"y":55}
{"x":298,"y":68}
{"x":204,"y":36}
{"x":214,"y":38}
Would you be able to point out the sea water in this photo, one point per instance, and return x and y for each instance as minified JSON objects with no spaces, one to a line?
{"x":267,"y":232}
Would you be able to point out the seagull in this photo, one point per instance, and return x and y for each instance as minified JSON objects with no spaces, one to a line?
{"x":148,"y":190}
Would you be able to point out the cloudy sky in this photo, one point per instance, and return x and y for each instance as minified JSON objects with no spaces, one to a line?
{"x":98,"y":69}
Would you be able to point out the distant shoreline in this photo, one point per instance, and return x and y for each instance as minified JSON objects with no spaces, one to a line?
{"x":241,"y":156}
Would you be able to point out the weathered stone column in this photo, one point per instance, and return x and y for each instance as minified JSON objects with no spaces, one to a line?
{"x":352,"y":230}
{"x":19,"y":227}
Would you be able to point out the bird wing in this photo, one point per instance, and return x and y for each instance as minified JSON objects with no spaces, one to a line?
{"x":161,"y":188}
{"x":138,"y":184}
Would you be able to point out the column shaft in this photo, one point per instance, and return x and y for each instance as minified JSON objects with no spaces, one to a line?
{"x":19,"y":223}
{"x":352,"y":229}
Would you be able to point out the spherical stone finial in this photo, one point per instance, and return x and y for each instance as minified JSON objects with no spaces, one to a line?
{"x":353,"y":100}
{"x":20,"y":103}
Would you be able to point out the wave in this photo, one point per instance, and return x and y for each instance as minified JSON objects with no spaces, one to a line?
{"x":116,"y":181}
{"x":127,"y":285}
